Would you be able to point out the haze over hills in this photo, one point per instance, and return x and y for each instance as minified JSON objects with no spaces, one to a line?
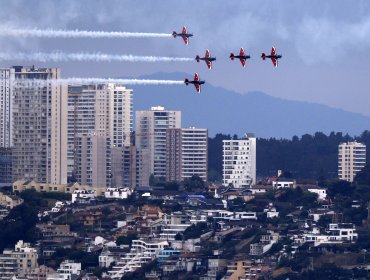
{"x":224,"y":111}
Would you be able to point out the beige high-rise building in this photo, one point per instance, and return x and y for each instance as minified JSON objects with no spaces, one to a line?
{"x":186,"y":153}
{"x":151,"y":130}
{"x":39,"y":125}
{"x":351,"y":160}
{"x":97,"y":112}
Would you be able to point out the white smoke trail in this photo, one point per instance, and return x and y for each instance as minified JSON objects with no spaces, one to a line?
{"x":98,"y":57}
{"x":55,"y":33}
{"x":70,"y":81}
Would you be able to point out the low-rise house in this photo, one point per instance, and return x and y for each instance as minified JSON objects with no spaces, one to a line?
{"x":110,"y":255}
{"x":282,"y":183}
{"x":39,"y":273}
{"x":335,"y":234}
{"x":55,"y":236}
{"x":321,"y":193}
{"x":68,"y":270}
{"x":84,"y":196}
{"x":10,"y":201}
{"x":117,"y":193}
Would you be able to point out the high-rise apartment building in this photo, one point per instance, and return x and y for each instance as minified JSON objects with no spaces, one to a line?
{"x":151,"y":131}
{"x":39,"y":125}
{"x":239,"y":161}
{"x":186,"y":153}
{"x":351,"y":160}
{"x":6,"y":107}
{"x":101,"y":111}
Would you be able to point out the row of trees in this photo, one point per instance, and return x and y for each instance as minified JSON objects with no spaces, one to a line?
{"x":310,"y":156}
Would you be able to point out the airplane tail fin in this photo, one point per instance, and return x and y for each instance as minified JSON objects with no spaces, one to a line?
{"x":186,"y":81}
{"x":263,"y":56}
{"x":174,"y":34}
{"x":197,"y":58}
{"x":232,"y":56}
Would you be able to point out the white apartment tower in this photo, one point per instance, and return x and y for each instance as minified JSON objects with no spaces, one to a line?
{"x":187,"y":153}
{"x":151,"y":128}
{"x":239,"y":161}
{"x":6,"y":107}
{"x":351,"y":160}
{"x":39,"y":125}
{"x":95,"y":112}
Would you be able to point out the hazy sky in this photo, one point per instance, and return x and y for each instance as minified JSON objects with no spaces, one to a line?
{"x":325,"y":44}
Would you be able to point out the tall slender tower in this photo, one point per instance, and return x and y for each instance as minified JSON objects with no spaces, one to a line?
{"x":39,"y":126}
{"x":239,"y":161}
{"x":351,"y":159}
{"x":6,"y":107}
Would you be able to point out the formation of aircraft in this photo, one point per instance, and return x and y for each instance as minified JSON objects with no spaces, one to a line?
{"x":242,"y":57}
{"x":184,"y":35}
{"x":273,"y":56}
{"x":196,"y":82}
{"x":207,"y":58}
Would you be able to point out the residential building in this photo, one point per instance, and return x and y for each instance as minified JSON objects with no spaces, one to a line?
{"x":142,"y":252}
{"x":40,"y":273}
{"x":186,"y":153}
{"x":68,"y":270}
{"x":239,"y":162}
{"x":7,"y":77}
{"x":103,"y":110}
{"x":5,"y":167}
{"x":351,"y":160}
{"x":10,"y":201}
{"x":117,"y":193}
{"x":18,"y":262}
{"x":151,"y":137}
{"x":92,"y":160}
{"x":39,"y":125}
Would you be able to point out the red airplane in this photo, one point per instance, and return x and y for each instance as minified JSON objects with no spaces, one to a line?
{"x":185,"y":36}
{"x":242,"y":56}
{"x":196,"y":82}
{"x":274,"y":57}
{"x":207,"y":58}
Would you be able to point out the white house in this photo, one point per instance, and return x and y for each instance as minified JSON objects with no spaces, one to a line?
{"x":321,"y":193}
{"x":282,"y":183}
{"x":117,"y":193}
{"x":83,"y":195}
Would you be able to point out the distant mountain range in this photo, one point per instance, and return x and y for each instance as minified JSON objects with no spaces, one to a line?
{"x":228,"y":112}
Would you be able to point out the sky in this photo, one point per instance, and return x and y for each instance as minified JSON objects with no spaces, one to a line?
{"x":325,"y":44}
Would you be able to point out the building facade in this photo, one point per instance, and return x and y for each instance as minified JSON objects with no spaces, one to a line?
{"x":97,"y":113}
{"x":7,"y":77}
{"x":239,"y":161}
{"x":39,"y":125}
{"x":351,"y":160}
{"x":151,"y":132}
{"x":186,"y":153}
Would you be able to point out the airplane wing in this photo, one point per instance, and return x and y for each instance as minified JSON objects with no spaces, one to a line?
{"x":208,"y":54}
{"x":197,"y":88}
{"x":241,"y":52}
{"x":275,"y":62}
{"x":186,"y":40}
{"x":242,"y":61}
{"x":209,"y":64}
{"x":196,"y":77}
{"x":273,"y":51}
{"x":183,"y":30}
